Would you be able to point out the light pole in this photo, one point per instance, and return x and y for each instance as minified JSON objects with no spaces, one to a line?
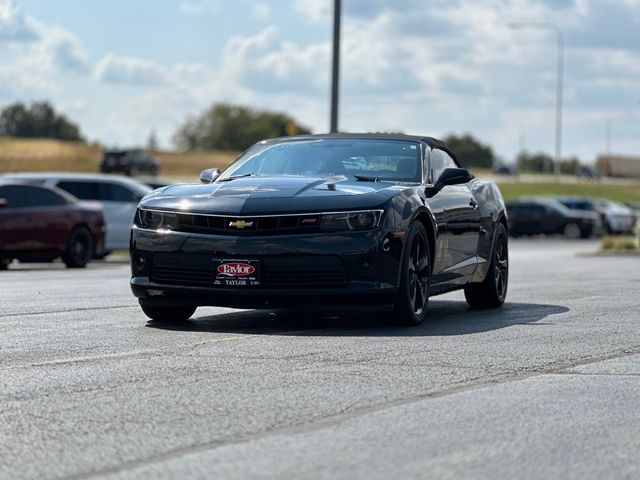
{"x":335,"y":71}
{"x":559,"y":81}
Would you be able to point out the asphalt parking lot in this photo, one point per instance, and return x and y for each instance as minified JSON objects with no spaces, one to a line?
{"x":546,"y":387}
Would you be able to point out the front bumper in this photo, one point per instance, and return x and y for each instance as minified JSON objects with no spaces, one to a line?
{"x":352,"y":268}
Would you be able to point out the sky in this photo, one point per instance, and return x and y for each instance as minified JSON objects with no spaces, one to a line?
{"x":124,"y":68}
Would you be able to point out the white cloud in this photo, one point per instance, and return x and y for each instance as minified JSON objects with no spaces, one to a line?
{"x":130,"y":71}
{"x":261,"y":11}
{"x":198,"y":7}
{"x":452,"y":65}
{"x":316,"y":10}
{"x":37,"y":58}
{"x":182,"y":70}
{"x":60,"y":50}
{"x":14,"y":26}
{"x":264,"y":62}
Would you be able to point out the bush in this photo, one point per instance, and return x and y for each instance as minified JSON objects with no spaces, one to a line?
{"x":618,"y":243}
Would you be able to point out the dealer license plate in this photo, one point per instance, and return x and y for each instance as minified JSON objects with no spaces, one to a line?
{"x":236,"y":273}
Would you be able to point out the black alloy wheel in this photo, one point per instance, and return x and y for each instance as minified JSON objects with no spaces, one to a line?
{"x":168,"y":314}
{"x":79,"y":248}
{"x":413,"y":294}
{"x":492,"y":291}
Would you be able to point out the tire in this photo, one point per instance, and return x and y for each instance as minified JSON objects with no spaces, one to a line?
{"x":492,"y":292}
{"x":572,"y":231}
{"x":4,"y":263}
{"x":79,"y":249}
{"x":168,"y":314}
{"x":415,"y":279}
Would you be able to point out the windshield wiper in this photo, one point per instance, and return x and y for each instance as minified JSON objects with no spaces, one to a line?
{"x":233,"y":177}
{"x":364,"y":178}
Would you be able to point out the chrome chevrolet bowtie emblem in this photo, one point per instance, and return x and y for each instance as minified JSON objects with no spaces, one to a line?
{"x":240,"y":224}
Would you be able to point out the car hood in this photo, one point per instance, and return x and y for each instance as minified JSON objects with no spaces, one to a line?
{"x":258,"y":195}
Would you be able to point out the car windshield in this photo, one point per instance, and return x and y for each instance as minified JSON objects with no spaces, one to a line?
{"x":365,"y":159}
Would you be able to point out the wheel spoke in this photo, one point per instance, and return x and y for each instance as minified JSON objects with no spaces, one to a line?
{"x":412,"y":267}
{"x":414,"y":292}
{"x":419,"y":303}
{"x":423,"y":264}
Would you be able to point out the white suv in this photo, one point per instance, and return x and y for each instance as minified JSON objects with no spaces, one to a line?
{"x":119,"y":197}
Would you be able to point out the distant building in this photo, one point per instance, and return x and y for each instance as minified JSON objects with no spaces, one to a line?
{"x":618,"y":166}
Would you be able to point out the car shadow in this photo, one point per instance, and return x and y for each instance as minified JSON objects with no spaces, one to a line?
{"x":445,"y":318}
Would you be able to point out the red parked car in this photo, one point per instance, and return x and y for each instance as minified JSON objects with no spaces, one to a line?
{"x":39,"y":224}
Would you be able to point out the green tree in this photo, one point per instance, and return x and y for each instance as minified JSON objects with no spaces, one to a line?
{"x":570,"y":166}
{"x":234,"y":127}
{"x":38,"y":120}
{"x":470,"y":151}
{"x":534,"y":162}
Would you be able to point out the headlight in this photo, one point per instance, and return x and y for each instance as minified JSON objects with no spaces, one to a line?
{"x":365,"y":220}
{"x":155,"y":220}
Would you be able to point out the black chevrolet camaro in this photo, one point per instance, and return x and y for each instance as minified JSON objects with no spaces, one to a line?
{"x":382,"y":221}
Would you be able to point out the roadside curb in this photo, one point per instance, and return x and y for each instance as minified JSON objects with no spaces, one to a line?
{"x":612,"y":253}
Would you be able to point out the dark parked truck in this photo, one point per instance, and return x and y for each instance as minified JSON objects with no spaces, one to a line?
{"x":323,"y":220}
{"x":130,"y":162}
{"x":38,"y":223}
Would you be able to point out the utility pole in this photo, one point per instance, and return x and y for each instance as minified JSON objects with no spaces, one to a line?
{"x":608,"y":139}
{"x":335,"y":72}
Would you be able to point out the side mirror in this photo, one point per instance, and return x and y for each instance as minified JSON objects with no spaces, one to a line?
{"x":450,"y":176}
{"x":209,"y":175}
{"x":453,"y":176}
{"x":3,"y":202}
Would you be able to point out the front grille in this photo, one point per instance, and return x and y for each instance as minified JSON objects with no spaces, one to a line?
{"x":187,"y":276}
{"x":300,"y":272}
{"x":291,"y":272}
{"x":247,"y":226}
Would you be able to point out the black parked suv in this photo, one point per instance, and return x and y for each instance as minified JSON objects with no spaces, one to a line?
{"x":130,"y":162}
{"x":549,"y":217}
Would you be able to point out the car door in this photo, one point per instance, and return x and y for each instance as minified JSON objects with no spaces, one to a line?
{"x":86,"y":189}
{"x":120,"y":204}
{"x":533,"y":219}
{"x":458,"y":218}
{"x":554,"y":221}
{"x":15,"y":223}
{"x":50,"y":222}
